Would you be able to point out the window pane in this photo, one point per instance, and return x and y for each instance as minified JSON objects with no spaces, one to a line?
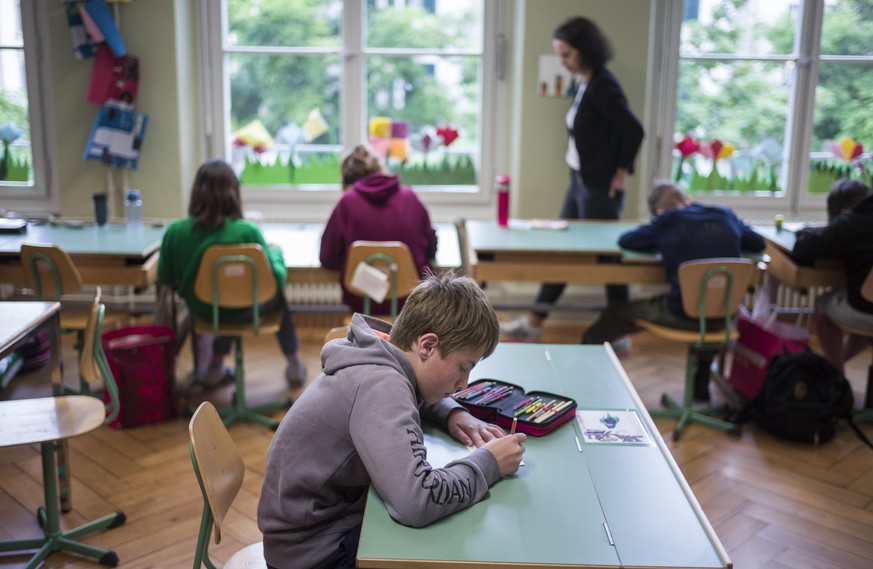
{"x":416,"y":106}
{"x":743,"y":104}
{"x":843,"y":99}
{"x":15,"y":153}
{"x":285,"y":108}
{"x":444,"y":24}
{"x":303,"y":23}
{"x":755,"y":27}
{"x":847,"y":28}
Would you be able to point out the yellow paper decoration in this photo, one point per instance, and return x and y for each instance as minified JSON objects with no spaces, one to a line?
{"x":380,"y":127}
{"x":725,"y":151}
{"x":254,"y":134}
{"x":314,"y":125}
{"x":847,"y":145}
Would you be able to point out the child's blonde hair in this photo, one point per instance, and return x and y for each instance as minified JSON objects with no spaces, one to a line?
{"x":360,"y":162}
{"x":664,"y":195}
{"x":454,"y":308}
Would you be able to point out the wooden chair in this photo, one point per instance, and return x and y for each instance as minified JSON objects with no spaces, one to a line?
{"x":93,"y":365}
{"x":865,"y":414}
{"x":711,"y":288}
{"x":50,"y":421}
{"x":220,"y":470}
{"x":393,"y":257}
{"x":239,"y":276}
{"x":335,"y":333}
{"x":50,"y":273}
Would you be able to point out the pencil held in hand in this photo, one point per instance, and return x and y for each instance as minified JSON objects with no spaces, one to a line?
{"x":514,"y":425}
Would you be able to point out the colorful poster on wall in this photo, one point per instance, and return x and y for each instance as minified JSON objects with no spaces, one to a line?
{"x":117,"y":136}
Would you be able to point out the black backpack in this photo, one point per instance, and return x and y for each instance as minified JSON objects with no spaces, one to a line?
{"x":802,"y":397}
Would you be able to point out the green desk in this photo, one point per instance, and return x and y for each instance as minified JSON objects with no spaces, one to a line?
{"x":573,"y":504}
{"x":301,"y":245}
{"x":107,"y":255}
{"x":569,"y":255}
{"x":824,"y":273}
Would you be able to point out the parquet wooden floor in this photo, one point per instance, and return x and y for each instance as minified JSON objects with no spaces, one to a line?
{"x":774,"y":504}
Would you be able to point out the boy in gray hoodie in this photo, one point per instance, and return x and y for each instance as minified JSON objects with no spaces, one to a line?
{"x":359,"y":423}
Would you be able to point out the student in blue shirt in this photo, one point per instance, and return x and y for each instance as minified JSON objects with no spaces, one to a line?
{"x":682,"y":230}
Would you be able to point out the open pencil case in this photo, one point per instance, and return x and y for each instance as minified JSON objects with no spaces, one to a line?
{"x":499,"y":402}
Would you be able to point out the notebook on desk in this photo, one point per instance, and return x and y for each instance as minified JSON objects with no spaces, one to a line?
{"x":13,"y":225}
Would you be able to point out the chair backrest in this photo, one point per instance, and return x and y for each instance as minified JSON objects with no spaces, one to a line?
{"x":463,"y":244}
{"x":393,"y":256}
{"x":335,"y":333}
{"x":235,"y":276}
{"x":93,"y":364}
{"x":714,"y":288}
{"x":49,"y":271}
{"x":219,"y":469}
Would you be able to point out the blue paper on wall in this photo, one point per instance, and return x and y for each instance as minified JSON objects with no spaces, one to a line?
{"x":117,"y":136}
{"x":84,"y":46}
{"x":101,"y":15}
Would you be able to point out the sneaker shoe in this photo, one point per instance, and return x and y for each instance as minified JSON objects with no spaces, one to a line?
{"x":520,"y":330}
{"x":216,"y":374}
{"x":295,"y":373}
{"x":622,"y":346}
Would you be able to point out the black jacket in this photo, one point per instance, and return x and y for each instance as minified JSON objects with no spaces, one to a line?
{"x":607,"y":133}
{"x":848,"y":238}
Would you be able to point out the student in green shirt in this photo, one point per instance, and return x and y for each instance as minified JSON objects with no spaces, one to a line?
{"x":215,"y":217}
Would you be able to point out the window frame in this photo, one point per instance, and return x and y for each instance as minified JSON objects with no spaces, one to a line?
{"x":316,"y":201}
{"x":796,"y":202}
{"x":42,"y":195}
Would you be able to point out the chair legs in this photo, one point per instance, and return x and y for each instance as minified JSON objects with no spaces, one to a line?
{"x":686,"y":413}
{"x":240,"y":411}
{"x":865,"y":414}
{"x":49,"y":519}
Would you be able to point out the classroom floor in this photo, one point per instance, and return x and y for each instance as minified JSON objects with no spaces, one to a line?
{"x":773,"y":504}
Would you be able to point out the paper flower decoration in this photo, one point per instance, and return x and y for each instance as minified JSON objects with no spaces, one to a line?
{"x":716,"y":150}
{"x":9,"y":133}
{"x":255,"y":135}
{"x":686,"y":147}
{"x":847,"y":149}
{"x":448,"y":134}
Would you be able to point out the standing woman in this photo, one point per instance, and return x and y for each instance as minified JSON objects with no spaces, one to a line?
{"x":604,"y":137}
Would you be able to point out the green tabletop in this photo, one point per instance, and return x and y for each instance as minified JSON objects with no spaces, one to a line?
{"x":301,"y":243}
{"x":89,"y":239}
{"x":554,"y":510}
{"x":579,"y":237}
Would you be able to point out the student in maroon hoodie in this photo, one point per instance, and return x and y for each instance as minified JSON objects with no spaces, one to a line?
{"x":375,"y":207}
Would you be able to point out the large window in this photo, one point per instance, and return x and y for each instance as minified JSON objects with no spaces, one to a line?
{"x":772,"y":99}
{"x":24,"y":177}
{"x":299,"y":82}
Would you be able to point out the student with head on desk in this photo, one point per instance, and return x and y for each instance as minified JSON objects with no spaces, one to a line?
{"x":847,"y":237}
{"x":215,"y":217}
{"x":682,"y":230}
{"x":359,"y":423}
{"x":375,"y":207}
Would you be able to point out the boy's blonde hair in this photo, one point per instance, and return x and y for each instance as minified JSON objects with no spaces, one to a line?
{"x":360,"y":162}
{"x":664,"y":195}
{"x":452,"y":307}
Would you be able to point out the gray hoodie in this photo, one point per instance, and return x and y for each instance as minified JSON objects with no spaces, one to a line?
{"x":358,"y":423}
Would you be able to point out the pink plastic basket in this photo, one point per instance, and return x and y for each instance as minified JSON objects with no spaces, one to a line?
{"x":142,"y":360}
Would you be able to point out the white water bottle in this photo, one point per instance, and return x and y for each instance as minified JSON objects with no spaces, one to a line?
{"x":133,"y":208}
